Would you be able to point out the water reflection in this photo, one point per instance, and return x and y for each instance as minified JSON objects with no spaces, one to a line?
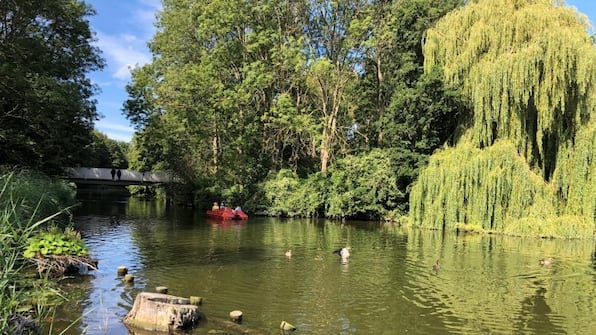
{"x":486,"y":284}
{"x":535,"y":316}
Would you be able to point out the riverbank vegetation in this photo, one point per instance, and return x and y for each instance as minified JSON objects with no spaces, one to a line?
{"x":29,"y":216}
{"x":459,"y":115}
{"x":525,"y":163}
{"x":448,"y":115}
{"x":312,"y":87}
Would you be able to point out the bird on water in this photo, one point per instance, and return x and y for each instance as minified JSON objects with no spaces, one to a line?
{"x":344,"y":252}
{"x":436,"y":266}
{"x":289,"y":253}
{"x":546,"y":261}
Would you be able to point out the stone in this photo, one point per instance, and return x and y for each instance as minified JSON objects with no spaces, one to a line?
{"x":236,"y":316}
{"x":129,"y":279}
{"x":162,"y":312}
{"x":122,"y":270}
{"x":286,"y":326}
{"x":196,"y":300}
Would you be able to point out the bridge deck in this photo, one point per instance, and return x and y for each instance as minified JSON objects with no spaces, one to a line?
{"x":103,"y":176}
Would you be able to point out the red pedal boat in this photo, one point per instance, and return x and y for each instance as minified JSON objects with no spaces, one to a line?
{"x":227,"y":213}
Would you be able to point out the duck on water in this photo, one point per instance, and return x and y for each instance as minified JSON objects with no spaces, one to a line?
{"x":344,"y":253}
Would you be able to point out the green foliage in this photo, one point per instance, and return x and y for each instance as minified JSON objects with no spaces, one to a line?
{"x":403,"y":104}
{"x":288,"y":195}
{"x":46,"y":106}
{"x":423,"y":117}
{"x":490,"y":188}
{"x":104,"y":152}
{"x":574,"y":180}
{"x":526,"y":66}
{"x":524,"y":164}
{"x":57,"y":243}
{"x":31,"y":195}
{"x":371,"y":184}
{"x":20,"y":220}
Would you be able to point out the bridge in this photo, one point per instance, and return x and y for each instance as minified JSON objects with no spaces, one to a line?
{"x":103,"y":176}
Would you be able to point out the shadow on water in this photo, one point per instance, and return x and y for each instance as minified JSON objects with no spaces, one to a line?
{"x":486,"y":284}
{"x":536,"y":314}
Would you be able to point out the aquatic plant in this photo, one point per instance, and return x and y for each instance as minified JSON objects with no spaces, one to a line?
{"x":56,"y":243}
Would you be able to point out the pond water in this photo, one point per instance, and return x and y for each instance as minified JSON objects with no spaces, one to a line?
{"x":486,"y":284}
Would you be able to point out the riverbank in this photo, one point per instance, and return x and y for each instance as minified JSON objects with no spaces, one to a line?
{"x":33,"y":229}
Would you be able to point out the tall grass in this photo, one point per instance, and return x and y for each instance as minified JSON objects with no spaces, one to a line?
{"x":29,"y":202}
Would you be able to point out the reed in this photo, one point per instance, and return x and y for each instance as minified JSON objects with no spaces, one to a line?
{"x":24,"y":211}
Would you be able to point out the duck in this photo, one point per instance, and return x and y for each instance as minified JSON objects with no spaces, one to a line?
{"x":289,"y":253}
{"x":546,"y":261}
{"x":344,"y":252}
{"x":437,"y":266}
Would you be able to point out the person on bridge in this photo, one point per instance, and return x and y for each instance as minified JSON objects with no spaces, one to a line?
{"x":119,"y":173}
{"x":113,"y":172}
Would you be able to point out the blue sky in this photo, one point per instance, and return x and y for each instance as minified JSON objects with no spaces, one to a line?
{"x":123,"y":28}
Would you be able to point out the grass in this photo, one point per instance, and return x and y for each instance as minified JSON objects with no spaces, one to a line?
{"x":24,"y":212}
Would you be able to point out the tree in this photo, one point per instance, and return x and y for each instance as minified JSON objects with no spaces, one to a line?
{"x":205,"y":91}
{"x":400,"y":104}
{"x":46,"y":106}
{"x":522,"y":165}
{"x":104,"y":152}
{"x":334,"y":56}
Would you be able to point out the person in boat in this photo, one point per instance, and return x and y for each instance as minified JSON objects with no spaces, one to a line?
{"x":237,"y":210}
{"x":215,"y":206}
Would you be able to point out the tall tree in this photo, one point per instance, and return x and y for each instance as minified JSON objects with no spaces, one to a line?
{"x":398,"y":107}
{"x":523,"y":164}
{"x":334,"y":58}
{"x":46,"y":106}
{"x":206,"y":88}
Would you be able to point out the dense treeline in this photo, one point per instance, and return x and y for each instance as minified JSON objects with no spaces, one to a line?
{"x":47,"y":108}
{"x":242,"y":95}
{"x":325,"y":108}
{"x":329,"y":108}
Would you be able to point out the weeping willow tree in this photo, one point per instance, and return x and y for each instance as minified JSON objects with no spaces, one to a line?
{"x":524,"y":164}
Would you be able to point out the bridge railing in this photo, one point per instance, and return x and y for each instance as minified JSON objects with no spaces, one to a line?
{"x":105,"y":174}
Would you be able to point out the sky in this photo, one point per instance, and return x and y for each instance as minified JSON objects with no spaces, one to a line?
{"x":123,"y":28}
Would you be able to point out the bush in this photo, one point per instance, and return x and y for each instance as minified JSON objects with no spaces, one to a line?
{"x":288,"y":195}
{"x":31,"y":195}
{"x":28,"y":202}
{"x":372,"y":185}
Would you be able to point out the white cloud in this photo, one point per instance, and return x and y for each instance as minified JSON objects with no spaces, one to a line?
{"x":116,"y":126}
{"x":123,"y":52}
{"x":126,"y":50}
{"x":144,"y":16}
{"x":118,"y":137}
{"x":115,"y":131}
